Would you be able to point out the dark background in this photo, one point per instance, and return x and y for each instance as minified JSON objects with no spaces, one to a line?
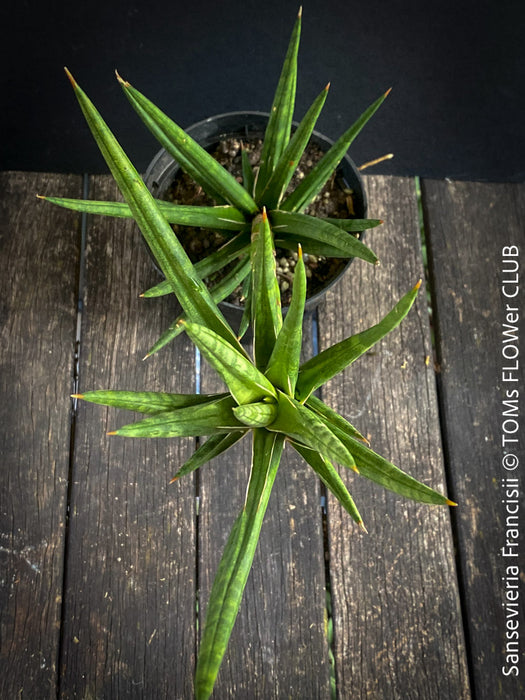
{"x":456,"y":68}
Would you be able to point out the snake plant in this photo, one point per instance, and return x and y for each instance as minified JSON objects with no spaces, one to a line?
{"x":264,"y":187}
{"x":270,"y":396}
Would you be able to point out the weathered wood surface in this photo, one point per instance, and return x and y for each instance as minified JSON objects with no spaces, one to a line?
{"x":39,"y":256}
{"x":131,"y":558}
{"x":468,"y":227}
{"x":397,"y":619}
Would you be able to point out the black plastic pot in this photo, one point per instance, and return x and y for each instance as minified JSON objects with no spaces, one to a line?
{"x":246,"y":125}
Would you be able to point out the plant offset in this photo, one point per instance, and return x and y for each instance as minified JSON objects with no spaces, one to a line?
{"x":270,"y":395}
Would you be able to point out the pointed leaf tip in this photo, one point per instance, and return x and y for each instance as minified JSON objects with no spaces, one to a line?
{"x":175,"y":478}
{"x":40,"y":196}
{"x":451,"y":503}
{"x":77,"y":396}
{"x":387,"y":93}
{"x":113,"y":432}
{"x":71,"y":79}
{"x":362,"y":526}
{"x":418,"y":285}
{"x":300,"y":13}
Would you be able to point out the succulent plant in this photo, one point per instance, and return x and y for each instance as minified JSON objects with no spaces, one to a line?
{"x":270,"y":395}
{"x":265,"y":187}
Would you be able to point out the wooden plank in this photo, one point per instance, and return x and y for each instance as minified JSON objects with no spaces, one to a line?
{"x":397,"y":622}
{"x":468,"y":225}
{"x":129,"y":625}
{"x":278,"y":646}
{"x":39,"y":247}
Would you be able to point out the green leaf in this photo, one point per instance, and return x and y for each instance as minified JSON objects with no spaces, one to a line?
{"x":214,"y":446}
{"x":308,"y":228}
{"x":256,"y":415}
{"x":248,"y":176}
{"x":301,"y":424}
{"x":234,"y":248}
{"x":289,"y":160}
{"x":381,"y":471}
{"x":266,"y":297}
{"x":330,"y":362}
{"x":221,"y":291}
{"x":191,"y":157}
{"x":245,"y":382}
{"x":354,"y":225}
{"x":310,"y":247}
{"x":331,"y":479}
{"x":222,"y":217}
{"x":236,"y":561}
{"x":332,"y":418}
{"x":283,"y":366}
{"x":279,"y":125}
{"x":170,"y":255}
{"x":312,"y":184}
{"x":147,"y":401}
{"x":246,"y":296}
{"x":203,"y":419}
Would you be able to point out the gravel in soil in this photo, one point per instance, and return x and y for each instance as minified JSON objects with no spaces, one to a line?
{"x":334,"y":200}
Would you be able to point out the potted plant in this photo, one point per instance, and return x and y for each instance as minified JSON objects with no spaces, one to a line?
{"x":230,"y":138}
{"x":264,"y":186}
{"x":271,"y":396}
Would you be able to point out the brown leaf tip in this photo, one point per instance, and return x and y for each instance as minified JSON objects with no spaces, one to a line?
{"x":387,"y":93}
{"x":77,"y":396}
{"x":71,"y":79}
{"x":451,"y":503}
{"x":418,"y":285}
{"x":300,"y":13}
{"x":123,"y":82}
{"x":113,"y":432}
{"x":362,"y":526}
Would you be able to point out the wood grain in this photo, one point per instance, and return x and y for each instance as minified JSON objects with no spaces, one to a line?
{"x":397,"y":621}
{"x":39,"y":249}
{"x":278,"y":647}
{"x":467,"y":225}
{"x":129,"y":623}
